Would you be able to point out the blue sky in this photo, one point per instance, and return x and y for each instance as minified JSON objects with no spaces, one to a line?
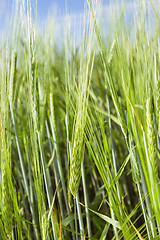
{"x":49,"y":6}
{"x":73,"y":6}
{"x":75,"y":9}
{"x":45,"y":7}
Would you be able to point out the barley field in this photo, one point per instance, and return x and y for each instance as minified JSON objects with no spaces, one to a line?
{"x":80,"y":126}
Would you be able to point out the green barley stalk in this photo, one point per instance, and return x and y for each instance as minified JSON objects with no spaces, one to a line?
{"x":86,"y":197}
{"x":26,"y":186}
{"x":137,"y":178}
{"x":56,"y":174}
{"x":56,"y":146}
{"x":55,"y":226}
{"x":2,"y":231}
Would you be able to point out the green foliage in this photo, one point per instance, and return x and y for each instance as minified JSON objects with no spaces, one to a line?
{"x":79,"y":130}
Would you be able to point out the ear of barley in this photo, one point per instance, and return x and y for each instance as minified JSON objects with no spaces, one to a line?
{"x":158,"y":104}
{"x":12,"y":75}
{"x":86,"y":68}
{"x":7,"y":206}
{"x":135,"y":168}
{"x":134,"y":163}
{"x":75,"y":162}
{"x":151,"y":139}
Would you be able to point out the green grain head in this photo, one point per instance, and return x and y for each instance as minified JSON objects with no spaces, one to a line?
{"x":12,"y":75}
{"x":7,"y":206}
{"x":75,"y":162}
{"x":158,"y":104}
{"x":151,"y":137}
{"x":135,"y":168}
